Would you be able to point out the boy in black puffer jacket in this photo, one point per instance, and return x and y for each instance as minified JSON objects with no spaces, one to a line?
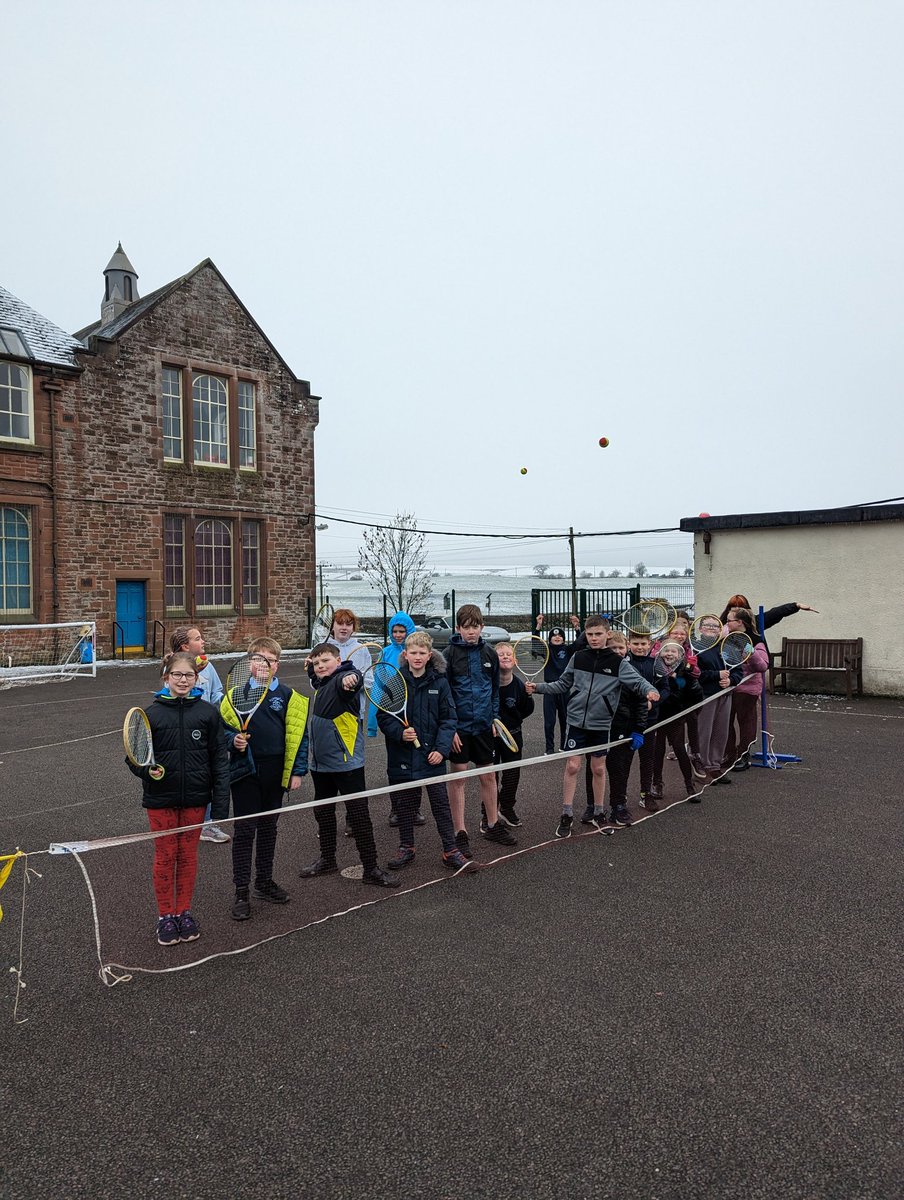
{"x":432,"y":721}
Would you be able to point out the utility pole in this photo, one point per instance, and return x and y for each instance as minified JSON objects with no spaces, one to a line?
{"x":574,"y":574}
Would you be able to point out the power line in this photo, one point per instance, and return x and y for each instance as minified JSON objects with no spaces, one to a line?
{"x":511,"y":537}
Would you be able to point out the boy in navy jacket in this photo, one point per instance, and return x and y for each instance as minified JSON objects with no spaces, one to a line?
{"x":473,"y":674}
{"x":432,"y":722}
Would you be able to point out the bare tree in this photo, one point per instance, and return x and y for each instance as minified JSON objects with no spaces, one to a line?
{"x":541,"y":570}
{"x":688,"y":572}
{"x":640,"y":570}
{"x":394,"y":559}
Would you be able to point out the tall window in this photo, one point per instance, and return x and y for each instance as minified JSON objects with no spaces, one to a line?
{"x":15,"y":562}
{"x":247,"y":430}
{"x":174,"y":563}
{"x":251,"y":564}
{"x":15,"y":402}
{"x":211,"y":420}
{"x":172,"y":414}
{"x":213,"y":565}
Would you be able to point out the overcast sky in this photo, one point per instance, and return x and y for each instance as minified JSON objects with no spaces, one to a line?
{"x":490,"y":233}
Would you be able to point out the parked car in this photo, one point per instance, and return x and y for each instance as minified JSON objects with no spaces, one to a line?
{"x":440,"y":630}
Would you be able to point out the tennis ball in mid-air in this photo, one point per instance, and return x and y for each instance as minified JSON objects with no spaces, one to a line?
{"x":604,"y":442}
{"x":524,"y":470}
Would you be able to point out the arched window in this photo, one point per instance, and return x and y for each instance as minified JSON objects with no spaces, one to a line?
{"x":213,"y":565}
{"x":15,"y":561}
{"x":211,"y":418}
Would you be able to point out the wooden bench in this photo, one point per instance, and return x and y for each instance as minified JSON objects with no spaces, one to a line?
{"x":819,"y":655}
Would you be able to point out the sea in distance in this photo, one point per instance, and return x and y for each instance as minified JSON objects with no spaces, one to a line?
{"x":501,"y":593}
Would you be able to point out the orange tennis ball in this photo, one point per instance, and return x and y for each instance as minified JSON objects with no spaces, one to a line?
{"x":524,"y":470}
{"x":604,"y":442}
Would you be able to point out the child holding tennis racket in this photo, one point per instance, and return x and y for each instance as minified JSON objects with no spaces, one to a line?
{"x":190,"y":639}
{"x":399,"y":626}
{"x":715,"y":680}
{"x":188,"y":770}
{"x":515,"y":706}
{"x":592,"y":681}
{"x":745,"y":699}
{"x":269,"y":753}
{"x":337,"y":763}
{"x":418,"y":750}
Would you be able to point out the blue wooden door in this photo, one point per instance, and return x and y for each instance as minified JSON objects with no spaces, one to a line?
{"x":131,"y":611}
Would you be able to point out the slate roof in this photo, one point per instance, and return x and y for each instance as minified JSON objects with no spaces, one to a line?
{"x":44,"y":341}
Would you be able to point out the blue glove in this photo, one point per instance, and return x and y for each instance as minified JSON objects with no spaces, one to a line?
{"x":636,"y":741}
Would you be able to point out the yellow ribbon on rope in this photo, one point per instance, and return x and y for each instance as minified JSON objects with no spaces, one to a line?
{"x":6,"y":865}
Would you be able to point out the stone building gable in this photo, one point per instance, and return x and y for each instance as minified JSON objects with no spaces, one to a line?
{"x":114,"y":487}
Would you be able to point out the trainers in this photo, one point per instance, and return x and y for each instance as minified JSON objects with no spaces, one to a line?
{"x":419,"y":818}
{"x":655,"y":790}
{"x":499,"y":834}
{"x":698,"y":771}
{"x":587,"y":818}
{"x":404,"y":858}
{"x":454,"y":860}
{"x":693,"y":792}
{"x":168,"y":931}
{"x":241,"y":909}
{"x":600,"y":820}
{"x":188,"y":928}
{"x":723,"y":779}
{"x":483,"y":819}
{"x":647,"y":802}
{"x":509,"y":817}
{"x":213,"y":833}
{"x":620,"y":815}
{"x":323,"y":866}
{"x":564,"y":827}
{"x":380,"y":878}
{"x":271,"y":892}
{"x":394,"y":818}
{"x":461,"y":841}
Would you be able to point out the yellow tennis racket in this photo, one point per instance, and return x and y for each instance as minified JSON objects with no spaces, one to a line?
{"x":138,"y":743}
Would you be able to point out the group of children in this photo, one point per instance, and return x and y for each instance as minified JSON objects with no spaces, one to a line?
{"x":602,"y":687}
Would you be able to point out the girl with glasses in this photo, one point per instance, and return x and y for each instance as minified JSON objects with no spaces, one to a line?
{"x":190,"y":745}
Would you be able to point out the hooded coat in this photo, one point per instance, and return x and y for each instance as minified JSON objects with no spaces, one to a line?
{"x":392,"y":653}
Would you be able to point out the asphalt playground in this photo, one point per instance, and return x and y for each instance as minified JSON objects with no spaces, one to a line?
{"x":707,"y":1004}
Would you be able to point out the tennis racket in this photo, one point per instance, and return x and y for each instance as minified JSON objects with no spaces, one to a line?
{"x":735,"y":649}
{"x":705,"y":633}
{"x":531,"y":655}
{"x":386,"y":690}
{"x":246,"y":685}
{"x":322,"y":627}
{"x":670,"y":658}
{"x":374,"y":649}
{"x":648,"y":616}
{"x":139,"y":745}
{"x":505,"y":735}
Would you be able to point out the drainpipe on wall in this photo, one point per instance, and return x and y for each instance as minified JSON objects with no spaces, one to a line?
{"x":53,"y":388}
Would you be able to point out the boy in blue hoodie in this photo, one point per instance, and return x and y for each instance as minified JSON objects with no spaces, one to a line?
{"x":336,"y":756}
{"x":473,"y":674}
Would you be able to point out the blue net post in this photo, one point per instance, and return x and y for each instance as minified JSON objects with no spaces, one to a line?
{"x":764,"y":757}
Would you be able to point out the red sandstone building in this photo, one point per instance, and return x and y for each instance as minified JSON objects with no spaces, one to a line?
{"x":156,"y":468}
